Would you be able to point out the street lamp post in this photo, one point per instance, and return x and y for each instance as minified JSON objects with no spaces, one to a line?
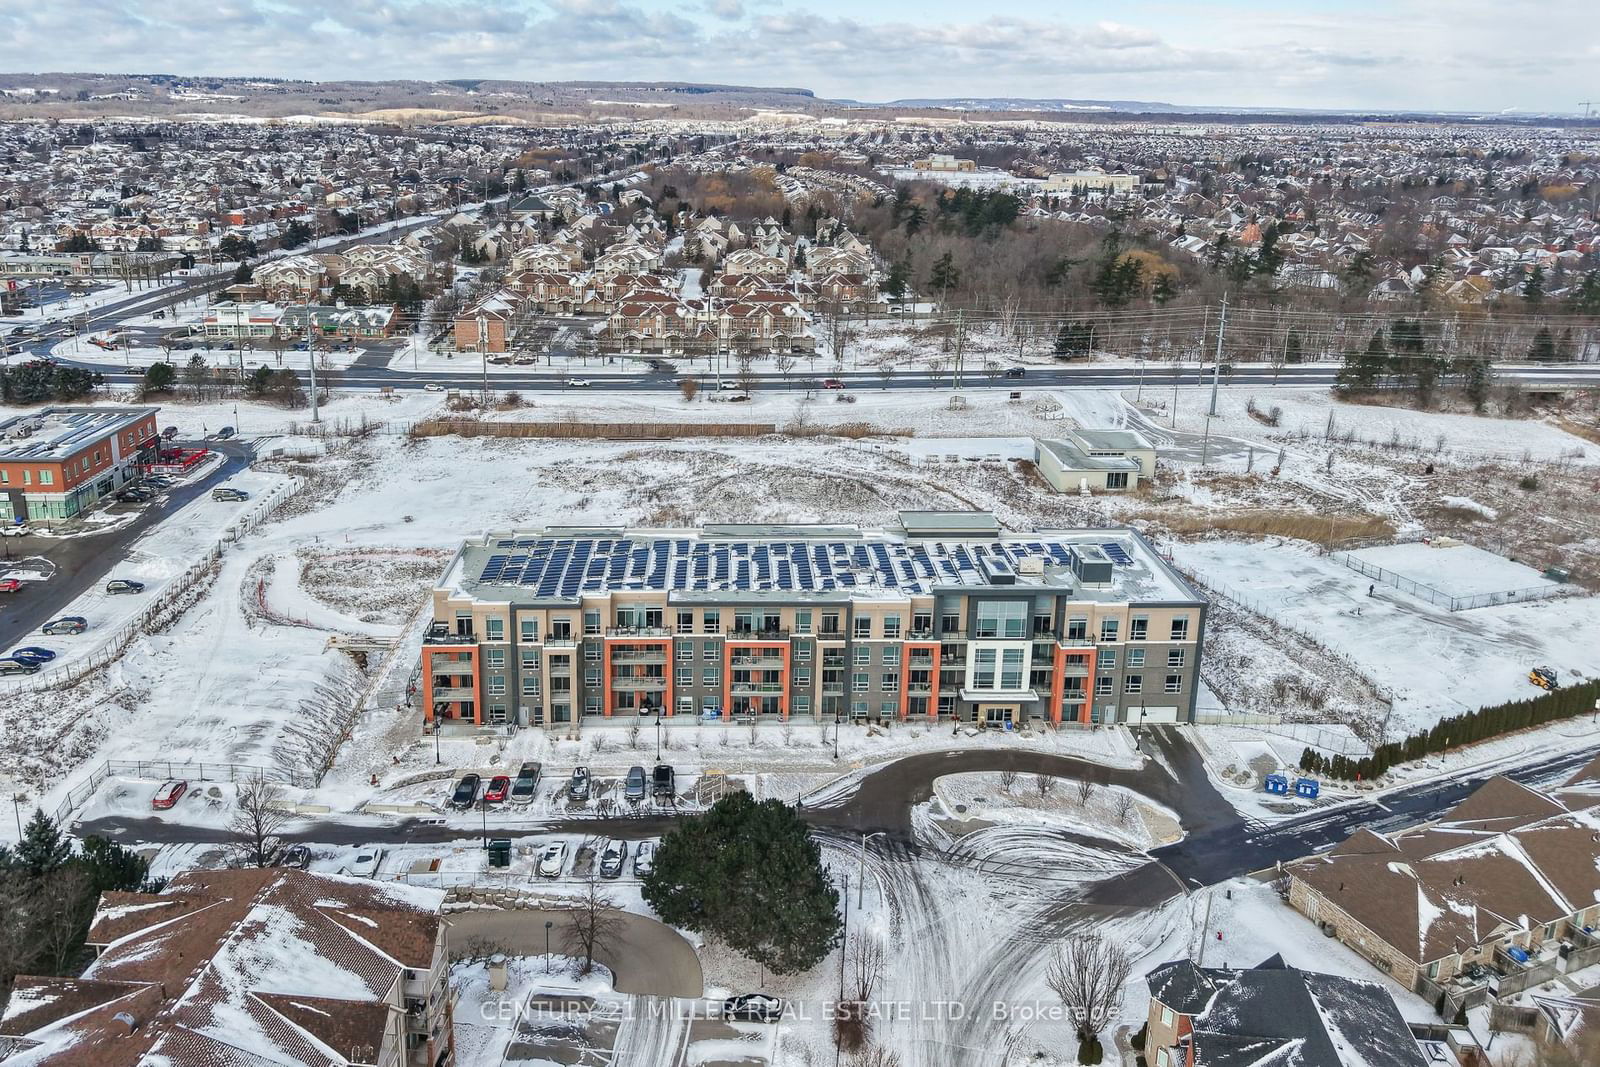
{"x":861,"y":875}
{"x":548,"y":923}
{"x":16,"y":810}
{"x":658,"y":736}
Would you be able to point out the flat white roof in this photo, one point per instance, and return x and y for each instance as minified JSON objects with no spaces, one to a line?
{"x":56,"y":434}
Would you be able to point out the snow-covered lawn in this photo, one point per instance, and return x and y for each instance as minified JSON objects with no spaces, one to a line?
{"x":1455,"y":570}
{"x":1435,"y":662}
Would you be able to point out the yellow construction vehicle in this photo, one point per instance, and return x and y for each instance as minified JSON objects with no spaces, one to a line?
{"x":1544,"y":678}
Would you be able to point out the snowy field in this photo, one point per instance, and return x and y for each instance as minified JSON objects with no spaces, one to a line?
{"x":1454,"y":569}
{"x":1436,"y":662}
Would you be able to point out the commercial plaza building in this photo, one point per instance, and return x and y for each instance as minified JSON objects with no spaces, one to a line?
{"x":56,"y":462}
{"x":943,"y":615}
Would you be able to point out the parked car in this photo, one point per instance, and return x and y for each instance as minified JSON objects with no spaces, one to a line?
{"x":499,"y":786}
{"x":526,"y":784}
{"x":552,"y":860}
{"x":33,"y":652}
{"x":18,"y":666}
{"x":466,"y":792}
{"x":225,"y":433}
{"x":578,"y":786}
{"x":297,"y":856}
{"x":633,"y":787}
{"x":832,"y":383}
{"x":577,"y":383}
{"x":756,"y":1006}
{"x":227,"y":492}
{"x":134,"y":496}
{"x":169,"y":433}
{"x":729,"y":384}
{"x":433,"y":387}
{"x":1016,"y":372}
{"x":158,"y":481}
{"x":365,"y":865}
{"x":14,"y":529}
{"x":663,"y":781}
{"x":644,"y":858}
{"x":67,"y":624}
{"x":124,"y":585}
{"x":613,"y":858}
{"x":168,"y":794}
{"x":10,"y":585}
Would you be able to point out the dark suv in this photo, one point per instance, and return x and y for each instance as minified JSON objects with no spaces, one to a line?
{"x":466,"y":793}
{"x":662,"y":782}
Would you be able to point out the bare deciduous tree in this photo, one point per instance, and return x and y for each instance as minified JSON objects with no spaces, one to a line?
{"x":257,"y":817}
{"x":594,"y":924}
{"x":1123,"y":805}
{"x":876,"y":1056}
{"x":1044,"y":784}
{"x":688,"y":387}
{"x":1087,"y":974}
{"x":1008,"y":780}
{"x":866,"y":958}
{"x":1085,"y":791}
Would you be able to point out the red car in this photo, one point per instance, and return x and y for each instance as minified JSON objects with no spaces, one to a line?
{"x":832,"y":383}
{"x":9,"y":585}
{"x":168,"y":795}
{"x":499,"y":786}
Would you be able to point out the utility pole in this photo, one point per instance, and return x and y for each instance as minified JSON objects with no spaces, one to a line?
{"x":1586,"y":104}
{"x":961,"y":344}
{"x":311,"y":354}
{"x":1216,"y":371}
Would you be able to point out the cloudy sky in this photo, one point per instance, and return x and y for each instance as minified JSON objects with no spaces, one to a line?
{"x":1480,"y":55}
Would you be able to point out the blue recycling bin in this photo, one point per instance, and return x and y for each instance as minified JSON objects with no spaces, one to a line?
{"x":1307,"y":787}
{"x":1277,"y":783}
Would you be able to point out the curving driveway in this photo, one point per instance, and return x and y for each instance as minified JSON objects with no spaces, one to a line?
{"x":649,"y":956}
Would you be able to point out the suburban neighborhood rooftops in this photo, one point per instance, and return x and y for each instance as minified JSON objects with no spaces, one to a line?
{"x":58,"y":433}
{"x":783,"y":563}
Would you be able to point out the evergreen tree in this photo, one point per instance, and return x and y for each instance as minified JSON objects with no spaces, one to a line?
{"x":1163,"y":290}
{"x":945,"y":276}
{"x":1074,"y":339}
{"x":748,"y":873}
{"x":159,"y":377}
{"x":1533,"y":286}
{"x":43,"y":850}
{"x":1543,"y":349}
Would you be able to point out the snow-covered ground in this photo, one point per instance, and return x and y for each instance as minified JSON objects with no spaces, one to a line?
{"x":1455,"y":570}
{"x":1435,"y":662}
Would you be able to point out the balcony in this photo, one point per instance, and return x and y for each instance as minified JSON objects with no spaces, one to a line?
{"x":439,"y":666}
{"x":560,"y":641}
{"x":1074,"y":670}
{"x":919,"y":689}
{"x":635,"y":682}
{"x":757,"y":688}
{"x":833,"y":689}
{"x":745,"y":659}
{"x":734,"y":633}
{"x":441,"y":635}
{"x":1076,"y":642}
{"x":639,"y":631}
{"x":658,"y":655}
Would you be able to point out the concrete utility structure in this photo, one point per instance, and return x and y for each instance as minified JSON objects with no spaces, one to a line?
{"x":942,"y":616}
{"x":55,"y":463}
{"x":1095,"y":460}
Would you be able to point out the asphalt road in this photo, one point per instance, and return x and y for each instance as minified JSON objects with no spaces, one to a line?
{"x":84,"y":559}
{"x":646,"y":956}
{"x":1219,"y":843}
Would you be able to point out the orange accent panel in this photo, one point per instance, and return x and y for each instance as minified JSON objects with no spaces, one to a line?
{"x":905,"y":676}
{"x":728,"y":644}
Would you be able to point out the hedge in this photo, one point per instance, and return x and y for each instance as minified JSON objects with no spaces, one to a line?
{"x":1458,"y":731}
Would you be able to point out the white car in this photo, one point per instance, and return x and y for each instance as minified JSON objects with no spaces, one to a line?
{"x":433,"y":387}
{"x":553,"y":860}
{"x":14,"y":530}
{"x":365,"y":864}
{"x":644,"y":858}
{"x":577,"y":383}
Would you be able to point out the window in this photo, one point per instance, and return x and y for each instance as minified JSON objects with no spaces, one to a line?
{"x":46,"y":477}
{"x":1180,"y":629}
{"x":1078,"y":628}
{"x":1174,"y":683}
{"x":530,"y":659}
{"x":497,"y":685}
{"x":1043,"y":623}
{"x":591,"y":621}
{"x":530,"y":685}
{"x":890,"y":683}
{"x":1138,"y":628}
{"x":802,"y":676}
{"x":861,"y":655}
{"x":686,"y":705}
{"x":1002,"y":618}
{"x":530,"y":629}
{"x":891,"y":656}
{"x":591,"y":676}
{"x":983,"y":661}
{"x":685,"y":652}
{"x":495,"y":657}
{"x":1108,"y":629}
{"x":802,"y":652}
{"x":710,"y":621}
{"x":1011,"y":668}
{"x":888,"y":709}
{"x":1116,"y":479}
{"x":710,"y":678}
{"x":1104,"y":685}
{"x":494,"y":629}
{"x":1108,"y":659}
{"x":1135,"y":657}
{"x":802,"y":622}
{"x":830,"y":622}
{"x":743,"y":621}
{"x":950,"y":623}
{"x":683,"y":676}
{"x":709,"y":652}
{"x":561,"y":629}
{"x":1133,"y":683}
{"x":592,"y":653}
{"x":1175,"y":657}
{"x":891,"y":626}
{"x":858,"y":682}
{"x":1162,"y":1059}
{"x":864,"y":626}
{"x":802,"y":705}
{"x":922,"y":622}
{"x":686,"y":622}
